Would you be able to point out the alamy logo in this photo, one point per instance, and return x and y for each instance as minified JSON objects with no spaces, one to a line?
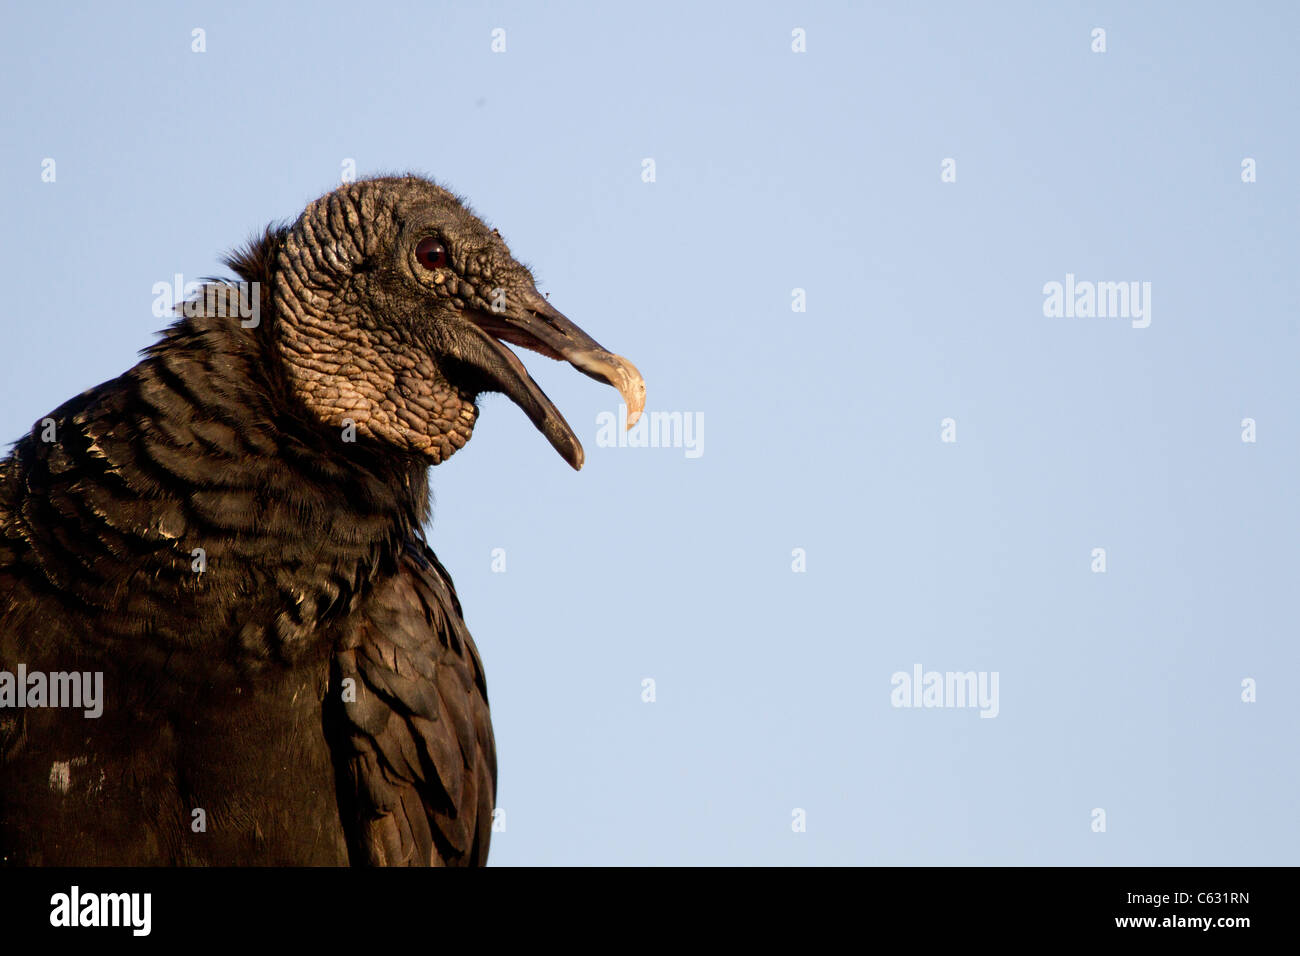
{"x":219,"y":300}
{"x":654,"y":430}
{"x":58,"y":689}
{"x":946,"y":689}
{"x":1102,"y":300}
{"x":75,"y":908}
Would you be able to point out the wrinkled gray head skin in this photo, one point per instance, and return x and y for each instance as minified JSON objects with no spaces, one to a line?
{"x":401,"y":344}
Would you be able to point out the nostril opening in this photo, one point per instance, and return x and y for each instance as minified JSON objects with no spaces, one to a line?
{"x":549,"y":321}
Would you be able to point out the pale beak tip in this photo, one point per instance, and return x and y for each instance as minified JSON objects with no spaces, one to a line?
{"x":632,"y":388}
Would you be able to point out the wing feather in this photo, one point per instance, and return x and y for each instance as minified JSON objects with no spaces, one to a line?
{"x":409,"y":724}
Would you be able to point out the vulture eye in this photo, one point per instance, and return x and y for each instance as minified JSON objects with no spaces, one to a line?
{"x":431,"y":254}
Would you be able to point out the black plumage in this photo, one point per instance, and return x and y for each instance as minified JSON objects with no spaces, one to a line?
{"x":231,"y":533}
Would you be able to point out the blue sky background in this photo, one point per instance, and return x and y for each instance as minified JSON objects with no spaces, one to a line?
{"x":775,"y":171}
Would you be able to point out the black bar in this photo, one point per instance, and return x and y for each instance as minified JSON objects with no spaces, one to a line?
{"x":332,"y":906}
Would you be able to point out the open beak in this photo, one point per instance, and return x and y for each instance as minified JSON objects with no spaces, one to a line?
{"x":533,"y":323}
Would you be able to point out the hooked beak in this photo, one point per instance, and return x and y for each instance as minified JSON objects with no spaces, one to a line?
{"x":533,"y":323}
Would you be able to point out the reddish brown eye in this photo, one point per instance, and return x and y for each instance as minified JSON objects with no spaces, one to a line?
{"x":431,"y":254}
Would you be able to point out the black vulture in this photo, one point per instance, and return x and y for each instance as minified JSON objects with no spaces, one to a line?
{"x":229,"y":537}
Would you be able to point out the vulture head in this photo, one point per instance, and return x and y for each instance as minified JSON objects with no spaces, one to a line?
{"x":395,"y":307}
